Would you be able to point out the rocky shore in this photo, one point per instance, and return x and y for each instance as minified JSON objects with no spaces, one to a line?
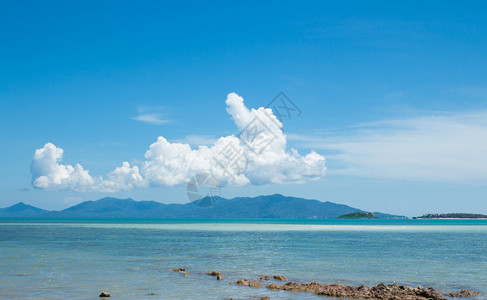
{"x":380,"y":291}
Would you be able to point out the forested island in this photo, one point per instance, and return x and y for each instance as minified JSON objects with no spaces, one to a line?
{"x":453,"y":216}
{"x":358,"y":215}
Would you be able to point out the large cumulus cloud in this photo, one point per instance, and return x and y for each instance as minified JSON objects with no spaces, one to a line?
{"x":256,"y":154}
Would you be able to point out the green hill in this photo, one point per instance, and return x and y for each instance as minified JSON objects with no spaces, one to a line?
{"x":358,"y":215}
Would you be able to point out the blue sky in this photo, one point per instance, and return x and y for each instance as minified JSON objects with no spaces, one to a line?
{"x":393,"y":95}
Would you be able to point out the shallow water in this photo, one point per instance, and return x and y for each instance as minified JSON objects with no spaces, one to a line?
{"x":131,"y":258}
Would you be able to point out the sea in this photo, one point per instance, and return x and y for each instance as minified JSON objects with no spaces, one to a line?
{"x":132,"y":259}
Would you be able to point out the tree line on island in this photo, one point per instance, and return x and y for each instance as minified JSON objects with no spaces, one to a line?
{"x":358,"y":215}
{"x":453,"y":216}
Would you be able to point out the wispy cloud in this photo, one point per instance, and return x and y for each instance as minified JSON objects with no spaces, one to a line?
{"x":446,"y":147}
{"x":151,"y":115}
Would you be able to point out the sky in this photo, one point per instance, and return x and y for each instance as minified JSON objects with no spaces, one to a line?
{"x":387,"y":101}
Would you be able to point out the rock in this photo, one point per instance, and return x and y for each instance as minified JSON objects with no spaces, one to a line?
{"x":243,"y":282}
{"x":151,"y":294}
{"x":280,"y":277}
{"x":264,"y":298}
{"x":255,"y":284}
{"x":380,"y":291}
{"x":264,"y":277}
{"x":178,"y":270}
{"x":273,"y":286}
{"x":182,"y":271}
{"x":103,"y":294}
{"x":246,"y":282}
{"x":219,"y":276}
{"x":463,"y":293}
{"x":467,"y":293}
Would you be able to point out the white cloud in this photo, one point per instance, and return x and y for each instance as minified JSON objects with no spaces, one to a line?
{"x":151,"y":115}
{"x":440,"y":148}
{"x":152,"y":118}
{"x":48,"y":174}
{"x":257,"y":155}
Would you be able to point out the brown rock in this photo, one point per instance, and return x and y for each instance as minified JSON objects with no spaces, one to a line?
{"x":467,"y":293}
{"x":264,"y":298}
{"x":274,"y":286}
{"x":255,"y":284}
{"x":243,"y":282}
{"x":264,"y":277}
{"x":213,"y":273}
{"x":463,"y":293}
{"x":380,"y":291}
{"x":219,"y":277}
{"x":280,"y":277}
{"x":178,"y":270}
{"x":182,"y":271}
{"x":103,"y":294}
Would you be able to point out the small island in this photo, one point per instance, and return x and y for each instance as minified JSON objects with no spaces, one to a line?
{"x":358,"y":215}
{"x":453,"y":216}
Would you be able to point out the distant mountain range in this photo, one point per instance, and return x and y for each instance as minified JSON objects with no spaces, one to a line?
{"x":270,"y":206}
{"x":21,"y":210}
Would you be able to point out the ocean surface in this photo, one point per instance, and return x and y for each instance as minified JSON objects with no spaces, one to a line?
{"x":68,"y":258}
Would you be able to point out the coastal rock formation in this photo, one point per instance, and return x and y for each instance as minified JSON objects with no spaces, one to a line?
{"x":182,"y":271}
{"x":243,"y":282}
{"x":103,"y":294}
{"x":380,"y":291}
{"x":218,"y":275}
{"x":463,"y":293}
{"x":255,"y":284}
{"x":178,"y":270}
{"x":264,"y":277}
{"x":280,"y":277}
{"x":246,"y":282}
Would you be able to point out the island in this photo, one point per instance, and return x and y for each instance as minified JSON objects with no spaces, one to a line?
{"x":452,"y":216}
{"x":358,"y":215}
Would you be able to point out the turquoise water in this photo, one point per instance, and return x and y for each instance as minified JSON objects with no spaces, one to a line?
{"x":80,"y":258}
